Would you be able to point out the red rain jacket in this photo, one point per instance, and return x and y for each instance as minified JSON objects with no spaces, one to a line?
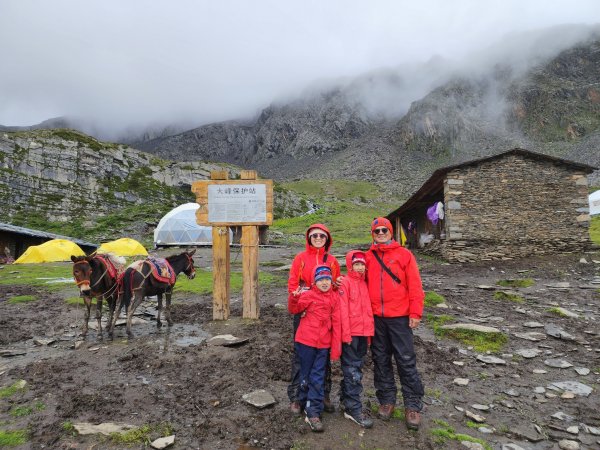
{"x":321,"y":325}
{"x":355,"y":305}
{"x":389,"y":298}
{"x":305,"y":263}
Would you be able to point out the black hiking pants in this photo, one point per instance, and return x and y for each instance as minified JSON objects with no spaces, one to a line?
{"x":351,"y":387}
{"x":393,"y":337}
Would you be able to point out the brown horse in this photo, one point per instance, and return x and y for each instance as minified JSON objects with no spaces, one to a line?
{"x":139,"y":281}
{"x":97,"y":277}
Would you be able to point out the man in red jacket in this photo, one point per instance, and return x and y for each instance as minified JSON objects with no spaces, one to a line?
{"x":396,"y":294}
{"x":318,"y":243}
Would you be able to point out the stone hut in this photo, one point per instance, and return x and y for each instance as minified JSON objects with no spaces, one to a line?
{"x":513,"y":204}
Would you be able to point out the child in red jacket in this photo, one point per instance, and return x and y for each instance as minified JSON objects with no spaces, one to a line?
{"x":318,"y":333}
{"x":357,"y":328}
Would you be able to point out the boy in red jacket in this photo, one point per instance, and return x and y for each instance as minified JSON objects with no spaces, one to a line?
{"x":357,"y":328}
{"x":318,"y":332}
{"x":397,"y":296}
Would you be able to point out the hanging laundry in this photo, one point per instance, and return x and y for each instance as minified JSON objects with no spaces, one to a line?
{"x":432,"y":214}
{"x":440,"y":210}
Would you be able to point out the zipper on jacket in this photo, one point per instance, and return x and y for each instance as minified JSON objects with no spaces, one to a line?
{"x":381,"y":287}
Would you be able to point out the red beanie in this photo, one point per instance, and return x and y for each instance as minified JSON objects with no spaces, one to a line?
{"x":382,"y":222}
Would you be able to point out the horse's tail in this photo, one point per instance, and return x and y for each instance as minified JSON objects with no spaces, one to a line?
{"x":127,"y":287}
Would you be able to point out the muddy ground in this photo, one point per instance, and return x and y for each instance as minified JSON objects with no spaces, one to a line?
{"x":172,"y":379}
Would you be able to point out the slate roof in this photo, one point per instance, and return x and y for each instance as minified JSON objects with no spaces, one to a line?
{"x":43,"y":234}
{"x":435,"y":181}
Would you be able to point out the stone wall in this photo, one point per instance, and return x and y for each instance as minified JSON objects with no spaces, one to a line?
{"x":512,"y":207}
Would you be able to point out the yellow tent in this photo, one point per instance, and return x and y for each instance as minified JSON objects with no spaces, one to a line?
{"x":123,"y":247}
{"x":54,"y":250}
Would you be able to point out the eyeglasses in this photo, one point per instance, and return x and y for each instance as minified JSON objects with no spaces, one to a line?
{"x":382,"y":230}
{"x":318,"y":236}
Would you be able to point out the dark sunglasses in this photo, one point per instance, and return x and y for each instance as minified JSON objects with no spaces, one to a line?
{"x":383,"y":230}
{"x":318,"y":236}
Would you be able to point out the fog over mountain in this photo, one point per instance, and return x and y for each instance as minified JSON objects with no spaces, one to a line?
{"x":128,"y":70}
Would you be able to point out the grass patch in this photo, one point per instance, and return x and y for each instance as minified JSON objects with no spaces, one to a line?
{"x":38,"y":275}
{"x":522,"y":283}
{"x":433,"y":298}
{"x":595,"y":230}
{"x":557,"y":311}
{"x":346,"y":207}
{"x":202,"y":283}
{"x":501,"y":295}
{"x":77,"y":301}
{"x":446,"y":433}
{"x":474,"y":425}
{"x":437,"y":321}
{"x":481,"y":342}
{"x":22,"y":299}
{"x":21,"y":411}
{"x":13,"y":438}
{"x":11,"y":390}
{"x":139,"y":435}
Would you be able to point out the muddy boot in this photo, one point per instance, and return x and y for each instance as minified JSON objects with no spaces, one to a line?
{"x":413,"y":419}
{"x":327,"y":405}
{"x":295,"y":408}
{"x":360,"y":419}
{"x":385,"y":412}
{"x":315,"y":424}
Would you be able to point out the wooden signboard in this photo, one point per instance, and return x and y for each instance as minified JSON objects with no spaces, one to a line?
{"x":248,"y":203}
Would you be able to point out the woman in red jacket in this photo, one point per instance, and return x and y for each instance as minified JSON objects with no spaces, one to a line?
{"x":318,"y":333}
{"x":357,"y":328}
{"x":397,"y":296}
{"x":318,"y":243}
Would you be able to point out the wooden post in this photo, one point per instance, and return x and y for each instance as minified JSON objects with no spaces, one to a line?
{"x":249,"y":241}
{"x":221,"y":282}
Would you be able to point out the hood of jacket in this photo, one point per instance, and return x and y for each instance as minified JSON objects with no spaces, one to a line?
{"x":320,"y":226}
{"x":349,"y":268}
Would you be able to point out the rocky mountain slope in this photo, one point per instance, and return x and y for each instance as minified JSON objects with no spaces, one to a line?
{"x":552,"y":107}
{"x":70,"y":182}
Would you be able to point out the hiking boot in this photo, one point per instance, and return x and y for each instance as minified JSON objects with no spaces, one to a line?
{"x":315,"y":424}
{"x":413,"y":419}
{"x":360,"y":419}
{"x":385,"y":412}
{"x":295,"y":408}
{"x":327,"y":405}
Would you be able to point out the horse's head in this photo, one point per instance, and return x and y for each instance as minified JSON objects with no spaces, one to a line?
{"x":82,"y":273}
{"x":190,"y":270}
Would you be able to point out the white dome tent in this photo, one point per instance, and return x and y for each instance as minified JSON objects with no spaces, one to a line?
{"x":594,"y":200}
{"x":179,"y":227}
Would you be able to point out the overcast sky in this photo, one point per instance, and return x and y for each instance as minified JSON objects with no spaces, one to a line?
{"x":122,"y":62}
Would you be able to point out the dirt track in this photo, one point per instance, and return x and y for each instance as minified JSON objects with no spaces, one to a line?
{"x":174,"y":378}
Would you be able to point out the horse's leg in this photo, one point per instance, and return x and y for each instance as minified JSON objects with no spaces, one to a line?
{"x":135,"y":302}
{"x":159,"y":309}
{"x":168,"y":309}
{"x":111,"y":311}
{"x":115,"y":315}
{"x":99,"y":314}
{"x":88,"y":304}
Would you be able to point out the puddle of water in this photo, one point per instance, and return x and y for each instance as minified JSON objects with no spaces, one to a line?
{"x":181,"y":336}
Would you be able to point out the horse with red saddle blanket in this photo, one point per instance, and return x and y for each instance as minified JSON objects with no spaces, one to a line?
{"x":97,"y":276}
{"x":152,"y":276}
